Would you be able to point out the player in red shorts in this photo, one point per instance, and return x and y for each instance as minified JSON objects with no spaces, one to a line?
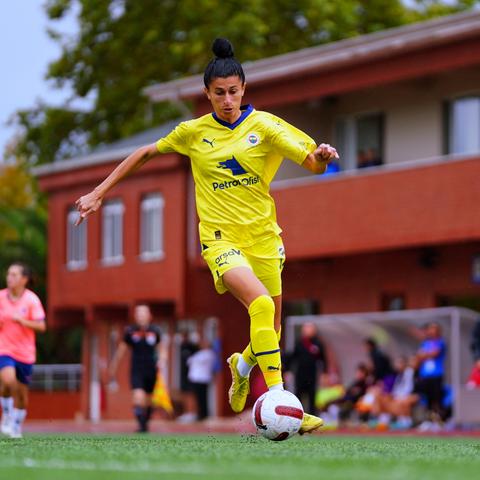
{"x":21,"y":315}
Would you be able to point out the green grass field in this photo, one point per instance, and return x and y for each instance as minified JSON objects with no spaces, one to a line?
{"x":234,"y":457}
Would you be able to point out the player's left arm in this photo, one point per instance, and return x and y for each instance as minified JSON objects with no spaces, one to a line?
{"x":317,"y":161}
{"x":36,"y":325}
{"x":298,"y":146}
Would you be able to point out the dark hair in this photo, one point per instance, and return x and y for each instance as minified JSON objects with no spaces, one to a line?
{"x":25,"y":269}
{"x":224,"y":64}
{"x":370,"y":342}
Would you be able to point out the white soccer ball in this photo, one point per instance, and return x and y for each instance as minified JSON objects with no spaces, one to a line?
{"x":277,"y":415}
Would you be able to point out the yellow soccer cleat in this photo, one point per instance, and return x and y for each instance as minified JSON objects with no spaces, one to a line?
{"x":310,"y":423}
{"x":240,"y":387}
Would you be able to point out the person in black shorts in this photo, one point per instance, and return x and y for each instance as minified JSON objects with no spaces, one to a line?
{"x":144,"y":341}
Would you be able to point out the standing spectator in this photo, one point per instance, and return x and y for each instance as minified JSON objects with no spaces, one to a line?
{"x":187,"y":348}
{"x":308,"y":361}
{"x":381,"y":364}
{"x":431,"y":371}
{"x":475,"y":344}
{"x":201,"y":366}
{"x":144,"y":341}
{"x":21,"y":315}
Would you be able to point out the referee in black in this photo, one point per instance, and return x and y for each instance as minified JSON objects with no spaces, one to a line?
{"x":144,"y":341}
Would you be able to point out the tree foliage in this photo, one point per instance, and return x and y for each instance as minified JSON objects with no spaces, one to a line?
{"x":123,"y":46}
{"x":23,"y":221}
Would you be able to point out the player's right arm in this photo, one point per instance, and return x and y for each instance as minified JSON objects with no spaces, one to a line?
{"x":91,"y":202}
{"x":176,"y":141}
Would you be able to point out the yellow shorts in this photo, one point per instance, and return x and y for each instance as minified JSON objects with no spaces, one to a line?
{"x":266,"y":258}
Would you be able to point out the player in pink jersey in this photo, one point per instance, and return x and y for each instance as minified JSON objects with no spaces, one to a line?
{"x":21,"y":315}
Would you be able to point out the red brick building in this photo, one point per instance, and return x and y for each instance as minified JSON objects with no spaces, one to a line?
{"x":402,"y":233}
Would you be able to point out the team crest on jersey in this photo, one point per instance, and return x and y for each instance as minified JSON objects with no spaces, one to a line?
{"x":252,"y":139}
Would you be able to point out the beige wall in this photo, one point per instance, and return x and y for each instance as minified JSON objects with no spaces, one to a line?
{"x":413,"y":115}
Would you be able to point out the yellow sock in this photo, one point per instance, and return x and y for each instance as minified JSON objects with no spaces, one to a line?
{"x":263,"y":339}
{"x":248,"y":354}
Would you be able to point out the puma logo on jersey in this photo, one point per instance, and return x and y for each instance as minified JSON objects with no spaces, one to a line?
{"x":233,"y":165}
{"x":208,"y":141}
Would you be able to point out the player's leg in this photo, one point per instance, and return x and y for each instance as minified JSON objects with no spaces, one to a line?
{"x":20,"y":410}
{"x":23,"y":375}
{"x":139,"y":401}
{"x":149,"y":386}
{"x":247,"y":360}
{"x":250,"y":291}
{"x":8,"y":381}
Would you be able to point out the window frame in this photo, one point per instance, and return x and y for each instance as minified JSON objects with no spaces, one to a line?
{"x":81,"y":232}
{"x":448,"y":140}
{"x":351,"y":137}
{"x":149,"y":203}
{"x":108,"y":209}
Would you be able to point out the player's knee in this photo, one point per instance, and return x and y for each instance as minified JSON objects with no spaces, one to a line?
{"x":262,"y":312}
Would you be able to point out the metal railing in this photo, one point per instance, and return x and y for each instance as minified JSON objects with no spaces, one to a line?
{"x":57,"y":377}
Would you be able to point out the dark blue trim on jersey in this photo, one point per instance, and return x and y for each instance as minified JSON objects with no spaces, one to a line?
{"x":246,"y":111}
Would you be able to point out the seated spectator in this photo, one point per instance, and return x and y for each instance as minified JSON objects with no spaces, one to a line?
{"x":400,"y":401}
{"x":474,"y":378}
{"x":369,"y":158}
{"x":354,"y":392}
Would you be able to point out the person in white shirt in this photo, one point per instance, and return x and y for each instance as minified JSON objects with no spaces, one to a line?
{"x":200,"y":373}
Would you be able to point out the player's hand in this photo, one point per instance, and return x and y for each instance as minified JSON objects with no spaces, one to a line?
{"x":325,"y":153}
{"x":87,"y":205}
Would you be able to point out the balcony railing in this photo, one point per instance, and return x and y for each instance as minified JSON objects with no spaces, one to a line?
{"x":57,"y":377}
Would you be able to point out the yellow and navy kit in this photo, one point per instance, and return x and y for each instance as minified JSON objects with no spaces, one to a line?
{"x":233,"y":166}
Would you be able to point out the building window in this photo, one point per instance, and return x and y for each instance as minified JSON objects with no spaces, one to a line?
{"x":112,"y":232}
{"x":463,"y":125}
{"x":76,"y":242}
{"x":360,"y":140}
{"x":151,"y":227}
{"x":393,"y":302}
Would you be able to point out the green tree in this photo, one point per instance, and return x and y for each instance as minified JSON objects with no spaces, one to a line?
{"x":125,"y":45}
{"x":23,"y":221}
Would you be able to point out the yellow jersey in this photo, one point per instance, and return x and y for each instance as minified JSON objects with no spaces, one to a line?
{"x":233,"y":166}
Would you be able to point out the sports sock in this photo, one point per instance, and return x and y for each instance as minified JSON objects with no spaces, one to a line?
{"x":7,"y":405}
{"x":148,"y":413}
{"x":243,"y":367}
{"x":248,"y":360}
{"x":264,"y":341}
{"x":278,"y":386}
{"x":140,"y":415}
{"x":18,"y":416}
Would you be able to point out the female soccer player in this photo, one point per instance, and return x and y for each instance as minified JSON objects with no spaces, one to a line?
{"x":144,"y":341}
{"x":21,"y":315}
{"x":235,"y":152}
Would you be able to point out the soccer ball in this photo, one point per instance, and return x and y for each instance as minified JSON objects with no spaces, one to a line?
{"x":277,"y":415}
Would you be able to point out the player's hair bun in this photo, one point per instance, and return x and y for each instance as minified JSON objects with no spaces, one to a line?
{"x":222,"y":48}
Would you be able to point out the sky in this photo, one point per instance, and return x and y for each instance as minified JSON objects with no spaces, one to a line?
{"x":25,"y":52}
